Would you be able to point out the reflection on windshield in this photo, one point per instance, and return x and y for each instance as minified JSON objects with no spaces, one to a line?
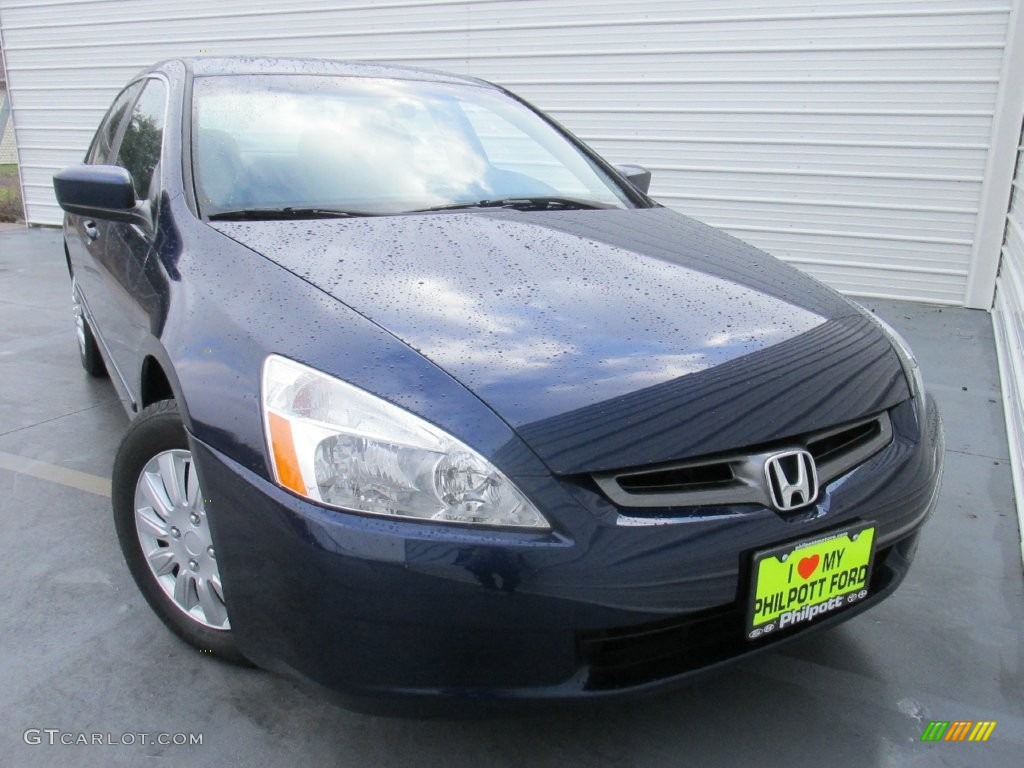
{"x":376,"y":145}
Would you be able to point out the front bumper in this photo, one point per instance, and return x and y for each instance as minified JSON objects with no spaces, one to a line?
{"x":382,"y":609}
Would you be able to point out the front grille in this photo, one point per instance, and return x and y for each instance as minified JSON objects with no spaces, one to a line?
{"x":835,"y":445}
{"x":621,"y":658}
{"x":701,"y":476}
{"x":740,"y":478}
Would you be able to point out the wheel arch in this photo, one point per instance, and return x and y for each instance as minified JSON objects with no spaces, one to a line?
{"x":153,"y":383}
{"x":157,"y":381}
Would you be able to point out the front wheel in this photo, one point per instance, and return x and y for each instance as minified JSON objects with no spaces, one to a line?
{"x":162,"y":525}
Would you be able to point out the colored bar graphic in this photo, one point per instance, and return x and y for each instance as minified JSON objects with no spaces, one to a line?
{"x":958,"y":730}
{"x":982,"y":730}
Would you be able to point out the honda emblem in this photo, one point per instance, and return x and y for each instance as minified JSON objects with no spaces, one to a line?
{"x":792,"y":479}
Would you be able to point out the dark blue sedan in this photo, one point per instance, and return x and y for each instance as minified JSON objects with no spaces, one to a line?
{"x":431,"y":403}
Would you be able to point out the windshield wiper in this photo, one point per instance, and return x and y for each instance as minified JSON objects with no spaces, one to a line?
{"x":541,"y":203}
{"x":288,"y":212}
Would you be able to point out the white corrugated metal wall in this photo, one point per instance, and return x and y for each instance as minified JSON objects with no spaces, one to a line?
{"x":849,"y":138}
{"x":865,"y":141}
{"x":1008,"y":320}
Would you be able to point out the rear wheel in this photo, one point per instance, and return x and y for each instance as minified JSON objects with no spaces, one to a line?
{"x":162,"y":524}
{"x":88,"y":349}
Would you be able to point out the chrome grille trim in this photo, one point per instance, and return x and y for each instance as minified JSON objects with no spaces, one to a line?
{"x":747,"y":484}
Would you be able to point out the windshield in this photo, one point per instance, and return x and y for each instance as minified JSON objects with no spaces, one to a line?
{"x":354,"y":145}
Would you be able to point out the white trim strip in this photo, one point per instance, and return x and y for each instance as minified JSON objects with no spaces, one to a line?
{"x":795,"y":142}
{"x":650,"y":21}
{"x":819,"y":202}
{"x":558,"y":53}
{"x":605,"y":110}
{"x":813,"y":172}
{"x":840,"y":233}
{"x":884,"y":267}
{"x":900,"y":297}
{"x":756,"y":81}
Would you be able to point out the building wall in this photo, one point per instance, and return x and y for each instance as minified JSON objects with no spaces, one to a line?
{"x":1008,"y":320}
{"x":849,"y":138}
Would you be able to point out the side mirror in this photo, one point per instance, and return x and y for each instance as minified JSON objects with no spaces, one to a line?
{"x":100,"y":191}
{"x":636,"y":175}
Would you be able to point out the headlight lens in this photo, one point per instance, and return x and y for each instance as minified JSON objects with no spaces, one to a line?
{"x":338,"y":445}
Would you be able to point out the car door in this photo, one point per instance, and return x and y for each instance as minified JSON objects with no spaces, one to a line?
{"x":126,"y":296}
{"x":85,"y":236}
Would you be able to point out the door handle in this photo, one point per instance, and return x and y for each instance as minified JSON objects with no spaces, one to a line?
{"x":91,"y":230}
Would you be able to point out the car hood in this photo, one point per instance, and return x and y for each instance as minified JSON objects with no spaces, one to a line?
{"x":608,"y":338}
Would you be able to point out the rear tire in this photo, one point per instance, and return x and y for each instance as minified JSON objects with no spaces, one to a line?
{"x":162,"y":525}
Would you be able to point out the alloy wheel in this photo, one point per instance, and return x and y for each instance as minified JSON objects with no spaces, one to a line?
{"x":170,"y":518}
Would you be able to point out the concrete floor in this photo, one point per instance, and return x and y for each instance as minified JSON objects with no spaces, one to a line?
{"x":82,"y":653}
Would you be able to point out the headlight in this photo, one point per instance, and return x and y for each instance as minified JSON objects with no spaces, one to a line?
{"x":911,"y":369}
{"x":338,"y":445}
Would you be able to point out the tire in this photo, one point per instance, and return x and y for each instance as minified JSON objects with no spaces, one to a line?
{"x":88,"y":349}
{"x":162,"y":526}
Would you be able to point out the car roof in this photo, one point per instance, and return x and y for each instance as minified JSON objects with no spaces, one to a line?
{"x":201,"y":66}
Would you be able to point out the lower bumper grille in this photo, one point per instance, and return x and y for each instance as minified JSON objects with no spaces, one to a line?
{"x":631,"y":656}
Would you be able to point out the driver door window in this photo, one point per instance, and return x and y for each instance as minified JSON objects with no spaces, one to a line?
{"x":101,"y":149}
{"x":140,"y":146}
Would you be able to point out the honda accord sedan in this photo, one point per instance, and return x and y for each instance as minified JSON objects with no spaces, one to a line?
{"x":430,"y":403}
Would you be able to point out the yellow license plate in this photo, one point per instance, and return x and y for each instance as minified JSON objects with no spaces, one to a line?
{"x":797,"y":583}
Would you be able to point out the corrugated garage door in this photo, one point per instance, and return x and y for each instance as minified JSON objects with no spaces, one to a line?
{"x":847,"y":137}
{"x":1008,"y":319}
